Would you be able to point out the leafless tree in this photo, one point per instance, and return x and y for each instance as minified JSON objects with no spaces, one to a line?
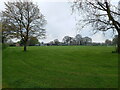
{"x":25,"y":19}
{"x":78,"y":39}
{"x":56,"y":42}
{"x":86,"y":40}
{"x":102,"y":15}
{"x":67,"y":40}
{"x":108,"y":42}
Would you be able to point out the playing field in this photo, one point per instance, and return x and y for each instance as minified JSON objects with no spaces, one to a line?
{"x":60,"y":67}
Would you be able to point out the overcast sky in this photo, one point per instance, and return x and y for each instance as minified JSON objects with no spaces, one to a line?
{"x":61,"y":22}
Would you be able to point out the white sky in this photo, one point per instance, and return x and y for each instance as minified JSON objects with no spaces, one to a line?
{"x":60,"y":21}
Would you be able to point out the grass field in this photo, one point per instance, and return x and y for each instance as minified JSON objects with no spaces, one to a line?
{"x":60,"y":67}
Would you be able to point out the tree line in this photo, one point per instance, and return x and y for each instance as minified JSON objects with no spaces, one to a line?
{"x":77,"y":40}
{"x":66,"y":41}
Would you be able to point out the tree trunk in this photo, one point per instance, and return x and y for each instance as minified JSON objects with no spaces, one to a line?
{"x":3,"y":40}
{"x":25,"y":47}
{"x":118,"y":44}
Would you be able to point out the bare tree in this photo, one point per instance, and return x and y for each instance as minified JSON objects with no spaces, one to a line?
{"x":86,"y":40}
{"x":78,"y":39}
{"x":26,"y":19}
{"x":66,"y":40}
{"x":108,"y":42}
{"x":56,"y":42}
{"x":102,"y":15}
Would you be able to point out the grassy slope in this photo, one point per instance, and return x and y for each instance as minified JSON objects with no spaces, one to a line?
{"x":60,"y":66}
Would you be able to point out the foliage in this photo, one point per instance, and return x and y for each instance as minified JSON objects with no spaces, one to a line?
{"x":33,"y":41}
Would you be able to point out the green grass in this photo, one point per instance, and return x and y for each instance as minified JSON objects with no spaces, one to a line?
{"x":60,"y":67}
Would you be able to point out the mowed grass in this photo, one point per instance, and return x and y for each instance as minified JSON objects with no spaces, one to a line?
{"x":60,"y":67}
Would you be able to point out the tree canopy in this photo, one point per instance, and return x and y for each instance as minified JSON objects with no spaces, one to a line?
{"x":24,"y":20}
